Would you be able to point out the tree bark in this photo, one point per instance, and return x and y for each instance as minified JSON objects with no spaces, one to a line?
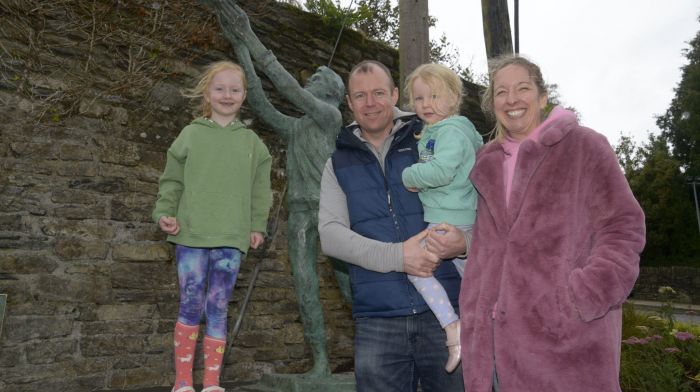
{"x":496,"y":21}
{"x":414,"y":39}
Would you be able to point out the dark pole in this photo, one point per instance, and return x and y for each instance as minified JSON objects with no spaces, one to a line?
{"x":517,"y":28}
{"x":696,"y":181}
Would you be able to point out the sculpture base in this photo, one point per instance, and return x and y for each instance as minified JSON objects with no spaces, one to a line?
{"x":344,"y":382}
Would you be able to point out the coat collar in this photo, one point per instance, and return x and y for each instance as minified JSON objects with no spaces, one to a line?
{"x":488,"y":174}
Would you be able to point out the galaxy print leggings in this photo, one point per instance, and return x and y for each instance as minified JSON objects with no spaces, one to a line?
{"x":206,"y":277}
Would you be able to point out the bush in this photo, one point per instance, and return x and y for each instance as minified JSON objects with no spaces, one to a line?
{"x":658,"y":354}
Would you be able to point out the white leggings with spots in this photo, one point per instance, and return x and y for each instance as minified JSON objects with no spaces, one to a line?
{"x":435,"y":295}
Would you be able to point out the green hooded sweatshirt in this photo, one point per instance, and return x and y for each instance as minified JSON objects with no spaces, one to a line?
{"x":216,"y":183}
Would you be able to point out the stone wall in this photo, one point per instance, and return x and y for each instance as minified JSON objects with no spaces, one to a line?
{"x":685,"y":281}
{"x":89,"y":102}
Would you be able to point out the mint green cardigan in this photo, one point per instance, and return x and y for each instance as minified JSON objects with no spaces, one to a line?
{"x":446,"y":192}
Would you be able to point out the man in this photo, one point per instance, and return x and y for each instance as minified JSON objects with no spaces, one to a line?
{"x":369,"y":220}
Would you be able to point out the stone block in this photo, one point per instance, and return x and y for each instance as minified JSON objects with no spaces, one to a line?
{"x":29,"y":307}
{"x":168,"y":294}
{"x":38,"y":151}
{"x":11,"y":356}
{"x":29,"y":243}
{"x":131,"y":378}
{"x":119,"y":115}
{"x":26,"y":263}
{"x":116,"y":327}
{"x":84,"y":229}
{"x":147,"y":232}
{"x":111,"y":345}
{"x":119,"y":153}
{"x":99,"y":184}
{"x":12,"y":222}
{"x":76,"y":288}
{"x":81,"y":212}
{"x":74,"y":152}
{"x":260,"y":339}
{"x":93,"y":365}
{"x":132,"y":207}
{"x":137,"y":275}
{"x":73,"y":196}
{"x":49,"y":351}
{"x":142,"y":252}
{"x":76,"y":169}
{"x":125,"y":312}
{"x":23,"y":328}
{"x":158,"y":344}
{"x":31,"y":373}
{"x":76,"y":249}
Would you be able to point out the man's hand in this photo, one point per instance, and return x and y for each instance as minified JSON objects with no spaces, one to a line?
{"x":446,"y":241}
{"x":169,"y":225}
{"x":416,"y":260}
{"x":256,"y":239}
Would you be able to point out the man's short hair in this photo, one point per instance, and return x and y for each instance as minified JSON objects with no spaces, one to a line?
{"x":365,"y":66}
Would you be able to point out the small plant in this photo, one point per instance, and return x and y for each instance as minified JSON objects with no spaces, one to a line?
{"x":658,"y":353}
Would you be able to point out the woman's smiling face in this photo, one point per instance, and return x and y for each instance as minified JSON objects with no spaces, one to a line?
{"x":517,"y":101}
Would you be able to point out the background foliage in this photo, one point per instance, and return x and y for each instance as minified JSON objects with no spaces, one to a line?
{"x":660,"y":173}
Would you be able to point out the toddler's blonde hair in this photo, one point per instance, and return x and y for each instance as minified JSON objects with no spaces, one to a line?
{"x":443,"y":82}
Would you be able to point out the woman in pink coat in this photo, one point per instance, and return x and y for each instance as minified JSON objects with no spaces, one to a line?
{"x":555,"y":251}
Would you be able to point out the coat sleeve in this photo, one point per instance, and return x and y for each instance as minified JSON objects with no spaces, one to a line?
{"x":339,"y":241}
{"x":172,"y":181}
{"x":261,"y":191}
{"x":609,"y":273}
{"x":452,"y":149}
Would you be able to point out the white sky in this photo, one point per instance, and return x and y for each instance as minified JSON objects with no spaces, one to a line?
{"x":616,"y":61}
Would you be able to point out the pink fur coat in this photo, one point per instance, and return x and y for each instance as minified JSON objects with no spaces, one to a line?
{"x":547,"y":275}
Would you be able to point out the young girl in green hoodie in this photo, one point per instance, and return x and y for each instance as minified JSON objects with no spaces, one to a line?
{"x":213,"y":202}
{"x":447,"y":152}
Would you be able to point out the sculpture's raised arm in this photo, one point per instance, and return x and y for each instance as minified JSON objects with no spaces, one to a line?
{"x":256,"y":96}
{"x":236,"y":26}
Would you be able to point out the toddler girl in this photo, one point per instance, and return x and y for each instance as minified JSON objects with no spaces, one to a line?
{"x":447,"y":151}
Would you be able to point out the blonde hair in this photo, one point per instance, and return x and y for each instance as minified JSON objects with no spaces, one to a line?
{"x":498,"y":63}
{"x":443,"y":82}
{"x":210,"y":71}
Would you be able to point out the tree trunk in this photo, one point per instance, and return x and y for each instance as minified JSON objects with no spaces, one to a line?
{"x":414,"y":39}
{"x":496,"y":20}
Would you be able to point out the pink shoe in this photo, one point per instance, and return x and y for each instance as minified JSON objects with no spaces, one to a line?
{"x":454,"y":349}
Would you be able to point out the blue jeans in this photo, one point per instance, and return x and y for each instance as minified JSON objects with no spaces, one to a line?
{"x":398,"y":353}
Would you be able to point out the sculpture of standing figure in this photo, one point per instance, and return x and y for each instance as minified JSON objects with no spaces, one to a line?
{"x":310,"y":141}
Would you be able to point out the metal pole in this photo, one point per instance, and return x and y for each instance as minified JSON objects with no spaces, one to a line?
{"x":695,"y":195}
{"x":517,"y":27}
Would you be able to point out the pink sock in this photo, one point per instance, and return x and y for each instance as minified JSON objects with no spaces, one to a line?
{"x":185,"y":340}
{"x":213,"y":360}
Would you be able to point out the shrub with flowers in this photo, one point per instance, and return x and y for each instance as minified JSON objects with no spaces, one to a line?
{"x":658,"y":353}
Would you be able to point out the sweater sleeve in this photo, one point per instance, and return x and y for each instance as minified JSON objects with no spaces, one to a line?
{"x":261,"y":192}
{"x":171,"y":183}
{"x":612,"y":267}
{"x":452,"y":148}
{"x":339,"y":241}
